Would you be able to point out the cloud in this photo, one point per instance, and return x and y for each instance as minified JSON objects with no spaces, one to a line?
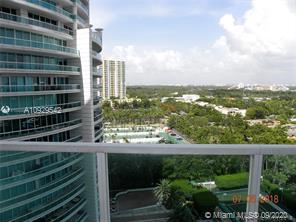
{"x":259,"y":47}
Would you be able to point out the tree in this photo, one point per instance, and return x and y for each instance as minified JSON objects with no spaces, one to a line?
{"x":163,"y":191}
{"x":256,"y":113}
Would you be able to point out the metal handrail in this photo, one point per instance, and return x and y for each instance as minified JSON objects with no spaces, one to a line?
{"x":172,"y":149}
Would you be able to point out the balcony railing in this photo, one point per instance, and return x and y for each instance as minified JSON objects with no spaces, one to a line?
{"x":97,"y":37}
{"x":81,"y":19}
{"x":97,"y":72}
{"x":96,"y":101}
{"x":75,"y":139}
{"x":255,"y":152}
{"x":34,"y":22}
{"x":21,"y":111}
{"x":82,"y":5}
{"x":38,"y":66}
{"x":98,"y":116}
{"x":38,"y":88}
{"x":51,"y":7}
{"x":40,"y":171}
{"x":96,"y":55}
{"x":39,"y":45}
{"x":97,"y":86}
{"x":73,"y":176}
{"x":33,"y":131}
{"x":98,"y":132}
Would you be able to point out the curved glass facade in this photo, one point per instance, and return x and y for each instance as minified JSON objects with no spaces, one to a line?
{"x":40,"y":100}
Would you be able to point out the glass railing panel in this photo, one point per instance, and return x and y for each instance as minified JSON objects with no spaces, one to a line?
{"x":97,"y":37}
{"x":65,"y":198}
{"x":38,"y":130}
{"x":97,"y":133}
{"x":38,"y":66}
{"x":34,"y":22}
{"x":278,"y":187}
{"x":99,"y":116}
{"x":39,"y":171}
{"x":83,"y":21}
{"x":81,"y":217}
{"x":82,"y":5}
{"x":51,"y":7}
{"x":68,"y":179}
{"x":75,"y":139}
{"x":21,"y":155}
{"x":69,"y":208}
{"x":31,"y":88}
{"x":34,"y":44}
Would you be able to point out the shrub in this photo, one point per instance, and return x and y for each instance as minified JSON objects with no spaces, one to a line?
{"x":204,"y":201}
{"x":185,"y":187}
{"x":232,"y":181}
{"x":270,"y":188}
{"x":289,"y":198}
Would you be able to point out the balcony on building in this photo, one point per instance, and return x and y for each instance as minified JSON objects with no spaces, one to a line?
{"x":97,"y":72}
{"x":16,"y":21}
{"x":39,"y":68}
{"x":81,"y":22}
{"x":97,"y":58}
{"x":97,"y":40}
{"x":38,"y":47}
{"x":97,"y":100}
{"x":61,"y":13}
{"x":41,"y":131}
{"x":82,"y":7}
{"x":23,"y":90}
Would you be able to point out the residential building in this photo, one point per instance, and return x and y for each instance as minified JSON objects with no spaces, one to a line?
{"x":47,"y":94}
{"x":113,"y":80}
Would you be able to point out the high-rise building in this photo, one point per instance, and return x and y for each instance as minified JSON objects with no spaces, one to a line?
{"x":113,"y":80}
{"x":48,"y":73}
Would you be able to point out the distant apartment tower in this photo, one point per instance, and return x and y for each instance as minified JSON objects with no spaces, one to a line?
{"x":113,"y":80}
{"x":48,"y":66}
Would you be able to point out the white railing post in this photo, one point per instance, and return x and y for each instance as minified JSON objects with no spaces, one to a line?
{"x":103,"y":185}
{"x":254,"y":188}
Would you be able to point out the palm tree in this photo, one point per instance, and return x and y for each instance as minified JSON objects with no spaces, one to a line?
{"x":163,"y":191}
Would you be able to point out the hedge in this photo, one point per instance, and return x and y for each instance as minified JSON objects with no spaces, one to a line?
{"x":289,"y":198}
{"x":185,"y":187}
{"x":270,"y":188}
{"x":232,"y":181}
{"x":205,"y":201}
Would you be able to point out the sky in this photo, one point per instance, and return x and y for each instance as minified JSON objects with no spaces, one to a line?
{"x":200,"y":42}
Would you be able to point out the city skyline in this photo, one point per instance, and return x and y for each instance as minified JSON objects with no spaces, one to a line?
{"x":201,"y":42}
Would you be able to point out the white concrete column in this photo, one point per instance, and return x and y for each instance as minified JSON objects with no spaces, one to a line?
{"x":254,"y":187}
{"x":103,"y":184}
